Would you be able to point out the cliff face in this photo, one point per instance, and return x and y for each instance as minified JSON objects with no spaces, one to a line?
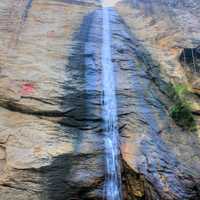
{"x":168,"y":30}
{"x":167,"y":38}
{"x":51,"y":137}
{"x":43,"y":126}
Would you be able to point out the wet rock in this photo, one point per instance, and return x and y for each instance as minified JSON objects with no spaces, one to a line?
{"x":136,"y":186}
{"x":150,"y":143}
{"x":51,"y":137}
{"x":174,"y":30}
{"x":191,"y":57}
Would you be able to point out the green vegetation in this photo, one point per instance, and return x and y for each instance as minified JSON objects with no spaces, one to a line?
{"x":181,"y":110}
{"x":181,"y":113}
{"x":138,"y":65}
{"x":181,"y":89}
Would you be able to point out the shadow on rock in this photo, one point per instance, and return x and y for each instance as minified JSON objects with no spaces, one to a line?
{"x":76,"y":175}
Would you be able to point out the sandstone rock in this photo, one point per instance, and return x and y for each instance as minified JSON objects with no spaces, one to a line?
{"x":51,"y":133}
{"x":42,"y":96}
{"x":149,"y":146}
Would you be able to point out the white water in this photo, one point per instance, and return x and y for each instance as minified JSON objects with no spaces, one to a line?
{"x":113,"y":172}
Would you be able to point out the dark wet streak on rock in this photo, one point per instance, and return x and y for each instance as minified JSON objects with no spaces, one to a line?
{"x":26,"y":10}
{"x":70,"y":184}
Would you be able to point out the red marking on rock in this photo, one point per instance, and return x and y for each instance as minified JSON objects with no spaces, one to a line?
{"x":51,"y":34}
{"x":27,"y":88}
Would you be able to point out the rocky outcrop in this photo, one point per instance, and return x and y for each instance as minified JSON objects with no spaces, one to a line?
{"x":159,"y":42}
{"x":51,"y":133}
{"x":152,"y":145}
{"x":173,"y":27}
{"x":190,"y":57}
{"x":190,"y":60}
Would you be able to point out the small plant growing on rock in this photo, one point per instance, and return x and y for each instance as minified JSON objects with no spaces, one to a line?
{"x":181,"y":89}
{"x":182,"y":115}
{"x":181,"y":110}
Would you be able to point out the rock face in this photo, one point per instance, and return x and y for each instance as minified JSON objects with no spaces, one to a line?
{"x":165,"y":29}
{"x":51,"y":137}
{"x":44,"y":127}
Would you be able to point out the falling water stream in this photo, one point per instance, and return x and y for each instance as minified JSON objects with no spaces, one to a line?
{"x":113,"y":173}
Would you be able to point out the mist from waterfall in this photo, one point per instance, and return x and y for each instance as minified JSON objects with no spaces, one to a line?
{"x":112,"y":188}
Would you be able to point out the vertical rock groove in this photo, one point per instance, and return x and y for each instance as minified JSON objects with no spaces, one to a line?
{"x":113,"y":174}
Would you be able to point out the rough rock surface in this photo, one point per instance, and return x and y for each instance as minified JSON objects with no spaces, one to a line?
{"x":165,"y":29}
{"x":44,"y":128}
{"x":51,"y":138}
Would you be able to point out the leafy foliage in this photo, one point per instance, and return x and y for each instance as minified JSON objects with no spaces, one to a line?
{"x":181,"y":110}
{"x":181,"y":113}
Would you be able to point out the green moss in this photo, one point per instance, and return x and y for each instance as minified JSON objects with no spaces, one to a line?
{"x":181,"y":110}
{"x":182,"y":115}
{"x":138,"y":65}
{"x":181,"y":89}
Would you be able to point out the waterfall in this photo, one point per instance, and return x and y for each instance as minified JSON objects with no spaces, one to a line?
{"x":112,"y":186}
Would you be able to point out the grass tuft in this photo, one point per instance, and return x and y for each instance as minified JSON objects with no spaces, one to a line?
{"x":181,"y":110}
